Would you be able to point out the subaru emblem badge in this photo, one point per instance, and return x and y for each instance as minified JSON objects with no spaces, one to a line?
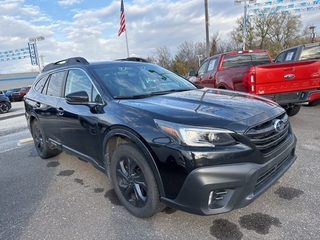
{"x":278,"y":125}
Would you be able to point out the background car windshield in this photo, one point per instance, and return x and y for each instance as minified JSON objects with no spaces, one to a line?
{"x":139,"y":79}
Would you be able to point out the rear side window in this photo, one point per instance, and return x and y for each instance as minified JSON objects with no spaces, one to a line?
{"x":310,"y":53}
{"x":212,"y":64}
{"x":245,"y":59}
{"x":55,"y":84}
{"x":40,"y":84}
{"x":291,"y":55}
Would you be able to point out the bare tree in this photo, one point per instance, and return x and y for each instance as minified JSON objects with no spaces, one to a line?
{"x":271,"y":30}
{"x":180,"y":66}
{"x":284,"y":29}
{"x":189,"y":53}
{"x":263,"y":22}
{"x":214,"y":43}
{"x":162,"y":57}
{"x":237,"y":35}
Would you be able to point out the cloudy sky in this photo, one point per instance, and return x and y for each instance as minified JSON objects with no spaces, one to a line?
{"x":89,"y":28}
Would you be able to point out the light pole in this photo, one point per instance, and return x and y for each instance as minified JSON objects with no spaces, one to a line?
{"x":34,"y":40}
{"x":238,"y":2}
{"x":199,"y":56}
{"x":207,"y":26}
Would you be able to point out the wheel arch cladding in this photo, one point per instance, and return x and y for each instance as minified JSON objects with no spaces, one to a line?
{"x":118,"y":136}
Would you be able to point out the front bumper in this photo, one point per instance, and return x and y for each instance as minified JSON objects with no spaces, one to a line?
{"x":219,"y":189}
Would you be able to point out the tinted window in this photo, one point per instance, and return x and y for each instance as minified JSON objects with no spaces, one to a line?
{"x":55,"y":84}
{"x":40,"y":84}
{"x":131,"y":79}
{"x":245,"y":59}
{"x":280,"y":58}
{"x":310,"y":53}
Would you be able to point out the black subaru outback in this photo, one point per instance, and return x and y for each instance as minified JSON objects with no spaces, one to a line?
{"x":161,"y":139}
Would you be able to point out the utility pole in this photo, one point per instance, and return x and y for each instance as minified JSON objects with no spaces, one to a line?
{"x":207,"y":26}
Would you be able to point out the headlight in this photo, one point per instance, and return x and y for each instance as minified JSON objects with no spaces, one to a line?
{"x":195,"y":136}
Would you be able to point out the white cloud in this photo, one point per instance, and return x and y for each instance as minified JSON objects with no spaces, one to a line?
{"x":91,"y":31}
{"x":69,"y":2}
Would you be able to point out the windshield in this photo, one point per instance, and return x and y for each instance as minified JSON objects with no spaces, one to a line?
{"x":139,"y":79}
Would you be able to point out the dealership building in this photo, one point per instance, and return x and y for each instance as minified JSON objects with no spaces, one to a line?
{"x":16,"y":80}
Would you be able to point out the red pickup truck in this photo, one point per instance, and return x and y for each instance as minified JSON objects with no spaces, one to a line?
{"x":290,"y":84}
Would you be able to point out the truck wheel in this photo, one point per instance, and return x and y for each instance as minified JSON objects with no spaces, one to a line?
{"x":39,"y":139}
{"x":314,"y":103}
{"x":293,"y":110}
{"x":134,"y":182}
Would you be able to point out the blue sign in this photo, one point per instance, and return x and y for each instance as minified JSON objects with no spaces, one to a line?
{"x":33,"y":54}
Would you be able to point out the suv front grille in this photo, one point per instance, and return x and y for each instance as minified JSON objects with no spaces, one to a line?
{"x":266,"y":137}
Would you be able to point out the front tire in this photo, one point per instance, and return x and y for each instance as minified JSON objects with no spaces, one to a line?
{"x":293,"y":110}
{"x":134,"y":182}
{"x":40,"y":142}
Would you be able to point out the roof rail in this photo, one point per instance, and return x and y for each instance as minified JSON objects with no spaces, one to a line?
{"x":65,"y":62}
{"x":134,"y":59}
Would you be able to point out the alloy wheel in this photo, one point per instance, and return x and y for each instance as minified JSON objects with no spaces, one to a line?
{"x":131,"y":182}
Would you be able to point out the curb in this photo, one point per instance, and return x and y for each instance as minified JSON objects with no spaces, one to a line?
{"x":24,"y":141}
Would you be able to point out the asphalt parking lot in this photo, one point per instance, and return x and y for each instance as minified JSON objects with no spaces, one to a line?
{"x":65,"y":198}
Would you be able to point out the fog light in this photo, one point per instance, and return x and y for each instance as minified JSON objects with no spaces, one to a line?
{"x":216,"y":195}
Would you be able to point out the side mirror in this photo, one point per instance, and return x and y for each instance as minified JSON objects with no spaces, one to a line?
{"x":192,"y":73}
{"x":77,"y":98}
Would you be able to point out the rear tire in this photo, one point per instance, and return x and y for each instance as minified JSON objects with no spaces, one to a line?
{"x":314,"y":103}
{"x":40,"y":142}
{"x":134,"y":182}
{"x":293,"y":110}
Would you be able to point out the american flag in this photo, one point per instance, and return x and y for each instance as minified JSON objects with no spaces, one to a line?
{"x":122,"y":20}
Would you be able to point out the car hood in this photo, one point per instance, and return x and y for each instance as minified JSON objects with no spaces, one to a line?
{"x":209,"y":107}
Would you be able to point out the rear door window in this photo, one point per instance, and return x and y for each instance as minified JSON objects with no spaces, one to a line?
{"x":203,"y":69}
{"x":55,"y":84}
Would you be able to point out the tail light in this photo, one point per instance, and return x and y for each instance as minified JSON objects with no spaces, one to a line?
{"x":249,"y":81}
{"x":314,"y":96}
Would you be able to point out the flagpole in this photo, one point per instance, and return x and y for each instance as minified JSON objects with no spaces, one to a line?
{"x":127,"y":44}
{"x":123,"y":27}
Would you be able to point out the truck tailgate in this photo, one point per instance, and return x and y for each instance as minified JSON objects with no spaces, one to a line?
{"x":287,"y":77}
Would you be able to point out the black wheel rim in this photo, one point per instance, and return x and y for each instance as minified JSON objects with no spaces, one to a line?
{"x":4,"y":107}
{"x":131,"y":182}
{"x":38,"y":139}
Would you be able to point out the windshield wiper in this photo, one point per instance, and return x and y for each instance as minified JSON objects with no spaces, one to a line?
{"x":170,"y":91}
{"x":150,"y":94}
{"x":133,"y":96}
{"x":161,"y":75}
